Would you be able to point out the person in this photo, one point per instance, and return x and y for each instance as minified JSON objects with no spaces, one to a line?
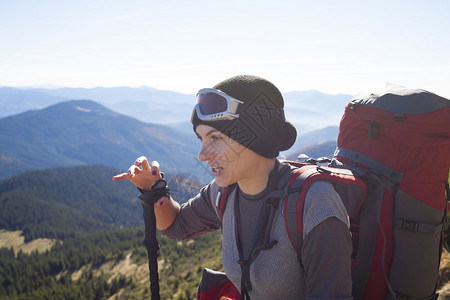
{"x":242,"y":128}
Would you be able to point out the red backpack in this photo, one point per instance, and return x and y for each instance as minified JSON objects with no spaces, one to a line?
{"x":402,"y":138}
{"x":390,"y":169}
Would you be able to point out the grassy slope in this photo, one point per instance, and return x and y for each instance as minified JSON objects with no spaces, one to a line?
{"x":16,"y":240}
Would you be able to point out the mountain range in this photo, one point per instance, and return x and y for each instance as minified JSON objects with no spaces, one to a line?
{"x":83,"y":132}
{"x":308,"y":110}
{"x":42,"y":129}
{"x":313,"y":138}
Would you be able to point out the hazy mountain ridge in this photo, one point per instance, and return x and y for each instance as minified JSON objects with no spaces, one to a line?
{"x":325,"y":149}
{"x":316,"y":143}
{"x":309,"y":110}
{"x":144,"y":103}
{"x":84,"y":132}
{"x":313,"y":110}
{"x":78,"y":132}
{"x":14,"y":101}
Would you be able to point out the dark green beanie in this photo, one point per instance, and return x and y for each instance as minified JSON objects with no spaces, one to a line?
{"x":261,"y":126}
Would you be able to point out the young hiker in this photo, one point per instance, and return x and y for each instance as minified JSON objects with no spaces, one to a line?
{"x":242,"y":129}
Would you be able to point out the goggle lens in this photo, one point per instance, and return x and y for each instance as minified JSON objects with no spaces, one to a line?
{"x":212,"y":103}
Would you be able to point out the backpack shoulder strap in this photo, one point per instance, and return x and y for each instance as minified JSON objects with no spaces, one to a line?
{"x":222,"y":198}
{"x":293,"y":205}
{"x":350,"y":188}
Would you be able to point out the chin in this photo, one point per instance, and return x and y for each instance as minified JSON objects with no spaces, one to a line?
{"x":223,"y":183}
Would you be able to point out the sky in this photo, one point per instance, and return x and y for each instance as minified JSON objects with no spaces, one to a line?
{"x":331,"y":46}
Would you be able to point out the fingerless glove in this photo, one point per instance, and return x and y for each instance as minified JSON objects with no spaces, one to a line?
{"x":158,"y":190}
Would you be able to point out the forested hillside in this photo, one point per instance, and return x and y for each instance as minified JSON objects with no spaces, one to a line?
{"x":84,"y":267}
{"x":58,"y":203}
{"x":98,"y":226}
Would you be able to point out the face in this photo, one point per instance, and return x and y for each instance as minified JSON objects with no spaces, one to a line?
{"x":230,"y":162}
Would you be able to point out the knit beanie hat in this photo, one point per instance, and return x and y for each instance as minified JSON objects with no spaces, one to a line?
{"x":261,"y":126}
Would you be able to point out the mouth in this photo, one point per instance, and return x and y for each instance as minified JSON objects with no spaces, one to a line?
{"x":216,"y":171}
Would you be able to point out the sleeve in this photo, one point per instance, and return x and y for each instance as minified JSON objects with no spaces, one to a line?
{"x":327,"y":245}
{"x":197,"y":216}
{"x":326,"y":254}
{"x":322,"y":202}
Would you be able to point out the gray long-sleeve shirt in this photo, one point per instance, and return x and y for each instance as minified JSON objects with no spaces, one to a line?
{"x":276,"y":273}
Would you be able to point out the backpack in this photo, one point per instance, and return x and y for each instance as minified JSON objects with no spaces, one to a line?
{"x":216,"y":285}
{"x":402,"y":138}
{"x":390,"y":169}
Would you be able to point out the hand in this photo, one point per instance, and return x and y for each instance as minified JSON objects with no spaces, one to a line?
{"x":141,"y":174}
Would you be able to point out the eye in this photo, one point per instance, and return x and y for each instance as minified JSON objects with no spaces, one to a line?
{"x":215,"y":137}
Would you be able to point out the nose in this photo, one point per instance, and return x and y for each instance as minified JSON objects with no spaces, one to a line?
{"x":206,"y":152}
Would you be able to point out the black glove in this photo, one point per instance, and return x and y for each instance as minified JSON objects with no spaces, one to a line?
{"x":158,"y":190}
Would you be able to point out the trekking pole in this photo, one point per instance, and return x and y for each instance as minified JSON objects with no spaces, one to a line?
{"x":151,"y":243}
{"x":148,"y":200}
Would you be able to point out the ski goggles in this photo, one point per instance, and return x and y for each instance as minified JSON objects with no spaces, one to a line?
{"x":214,"y":105}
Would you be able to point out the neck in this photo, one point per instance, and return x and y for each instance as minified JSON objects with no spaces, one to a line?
{"x":259,"y":177}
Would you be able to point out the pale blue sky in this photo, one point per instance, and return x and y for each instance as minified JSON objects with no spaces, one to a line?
{"x":331,"y":46}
